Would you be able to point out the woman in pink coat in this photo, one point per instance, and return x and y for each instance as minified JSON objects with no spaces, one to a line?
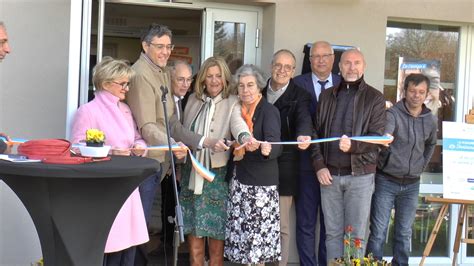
{"x":109,"y":114}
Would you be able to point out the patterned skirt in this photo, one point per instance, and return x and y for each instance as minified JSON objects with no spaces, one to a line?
{"x":205,"y":215}
{"x":253,"y":224}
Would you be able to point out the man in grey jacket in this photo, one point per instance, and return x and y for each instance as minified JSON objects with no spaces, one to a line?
{"x":397,"y":182}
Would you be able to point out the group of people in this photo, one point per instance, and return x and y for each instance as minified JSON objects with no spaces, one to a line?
{"x":234,"y":125}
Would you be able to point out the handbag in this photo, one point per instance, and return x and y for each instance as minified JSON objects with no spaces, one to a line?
{"x":53,"y":151}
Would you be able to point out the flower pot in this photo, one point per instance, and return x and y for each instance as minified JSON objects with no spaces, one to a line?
{"x":95,"y":144}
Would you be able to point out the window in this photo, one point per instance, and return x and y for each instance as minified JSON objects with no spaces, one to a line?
{"x":433,"y":51}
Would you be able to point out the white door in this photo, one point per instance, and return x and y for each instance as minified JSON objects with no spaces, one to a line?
{"x":231,"y":34}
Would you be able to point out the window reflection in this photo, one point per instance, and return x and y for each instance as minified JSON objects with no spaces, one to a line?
{"x":229,"y":43}
{"x":431,"y":50}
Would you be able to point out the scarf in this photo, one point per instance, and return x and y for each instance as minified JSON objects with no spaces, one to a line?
{"x":247,"y":114}
{"x":202,"y":124}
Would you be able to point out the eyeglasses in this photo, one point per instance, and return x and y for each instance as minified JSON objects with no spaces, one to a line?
{"x":182,"y":80}
{"x":168,"y":47}
{"x":124,"y":85}
{"x":286,"y":68}
{"x":324,"y":56}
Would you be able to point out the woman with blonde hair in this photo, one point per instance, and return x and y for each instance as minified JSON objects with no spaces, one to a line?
{"x":213,"y":110}
{"x":109,"y":114}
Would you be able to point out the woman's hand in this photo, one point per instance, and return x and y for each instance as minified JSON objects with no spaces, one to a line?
{"x":139,"y":150}
{"x":251,"y":144}
{"x":120,"y":151}
{"x":266,"y":148}
{"x":220,"y":146}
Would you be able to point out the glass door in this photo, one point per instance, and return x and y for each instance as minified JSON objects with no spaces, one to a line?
{"x":231,"y":34}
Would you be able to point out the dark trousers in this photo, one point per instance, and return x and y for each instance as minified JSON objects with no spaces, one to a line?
{"x":168,"y":204}
{"x":148,"y":190}
{"x":124,"y":257}
{"x":308,"y":204}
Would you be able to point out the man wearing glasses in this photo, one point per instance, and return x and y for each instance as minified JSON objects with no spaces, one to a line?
{"x":293,"y":104}
{"x":181,"y":79}
{"x":145,"y":101}
{"x":308,"y":202}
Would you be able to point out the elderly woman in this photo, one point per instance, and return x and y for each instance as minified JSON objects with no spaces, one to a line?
{"x":108,"y":113}
{"x":253,"y":216}
{"x":212,"y":111}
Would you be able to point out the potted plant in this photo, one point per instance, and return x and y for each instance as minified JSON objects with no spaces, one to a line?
{"x":353,"y":248}
{"x":95,"y":138}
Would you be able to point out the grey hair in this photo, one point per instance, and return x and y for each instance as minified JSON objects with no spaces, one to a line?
{"x":320,"y":43}
{"x":250,"y":70}
{"x":283,"y":51}
{"x":175,"y":63}
{"x":156,"y":30}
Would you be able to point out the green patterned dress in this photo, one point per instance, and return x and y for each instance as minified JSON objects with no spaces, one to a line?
{"x":205,"y":215}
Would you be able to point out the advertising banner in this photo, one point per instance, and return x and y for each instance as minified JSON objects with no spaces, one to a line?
{"x":458,"y":160}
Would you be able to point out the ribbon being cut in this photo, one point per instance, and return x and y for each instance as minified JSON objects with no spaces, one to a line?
{"x":209,"y":176}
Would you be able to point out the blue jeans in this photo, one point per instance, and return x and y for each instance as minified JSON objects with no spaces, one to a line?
{"x":147,"y":193}
{"x":346,"y":202}
{"x":404,"y":198}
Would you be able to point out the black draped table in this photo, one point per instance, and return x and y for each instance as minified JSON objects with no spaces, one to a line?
{"x":73,"y":206}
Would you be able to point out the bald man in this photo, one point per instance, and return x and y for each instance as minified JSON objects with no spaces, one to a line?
{"x":345,"y":169}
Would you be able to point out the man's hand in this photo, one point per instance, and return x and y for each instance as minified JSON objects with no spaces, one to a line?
{"x":345,"y":143}
{"x":306,"y":140}
{"x":388,"y":144}
{"x":180,"y":154}
{"x":266,"y":148}
{"x":324,"y":177}
{"x":9,"y":146}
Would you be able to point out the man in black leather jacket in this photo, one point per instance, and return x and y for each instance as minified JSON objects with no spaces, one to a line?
{"x":345,"y":168}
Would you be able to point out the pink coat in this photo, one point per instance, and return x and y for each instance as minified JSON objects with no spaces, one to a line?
{"x":115,"y":119}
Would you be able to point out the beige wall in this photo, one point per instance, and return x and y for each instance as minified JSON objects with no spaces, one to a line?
{"x":33,"y":87}
{"x":360,"y":23}
{"x":34,"y":76}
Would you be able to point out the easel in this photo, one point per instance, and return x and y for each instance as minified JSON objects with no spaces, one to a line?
{"x":460,"y":224}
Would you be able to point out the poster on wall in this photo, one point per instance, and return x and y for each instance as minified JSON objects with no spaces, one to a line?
{"x":430,"y":68}
{"x":458,"y":160}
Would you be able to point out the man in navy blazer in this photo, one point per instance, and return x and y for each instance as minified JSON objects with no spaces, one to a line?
{"x":308,"y":202}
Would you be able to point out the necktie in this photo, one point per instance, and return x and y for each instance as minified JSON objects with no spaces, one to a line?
{"x":323,"y":86}
{"x":180,"y":110}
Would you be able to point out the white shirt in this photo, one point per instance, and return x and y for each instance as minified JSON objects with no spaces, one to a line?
{"x":317,"y":86}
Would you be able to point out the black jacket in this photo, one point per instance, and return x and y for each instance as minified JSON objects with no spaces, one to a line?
{"x":368,"y":120}
{"x":256,"y":169}
{"x":295,"y":120}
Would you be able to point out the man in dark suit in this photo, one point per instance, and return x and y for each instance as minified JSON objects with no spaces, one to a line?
{"x":308,"y":202}
{"x":293,"y":104}
{"x":181,"y":76}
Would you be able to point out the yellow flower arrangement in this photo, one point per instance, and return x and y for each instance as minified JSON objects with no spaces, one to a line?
{"x":95,"y":136}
